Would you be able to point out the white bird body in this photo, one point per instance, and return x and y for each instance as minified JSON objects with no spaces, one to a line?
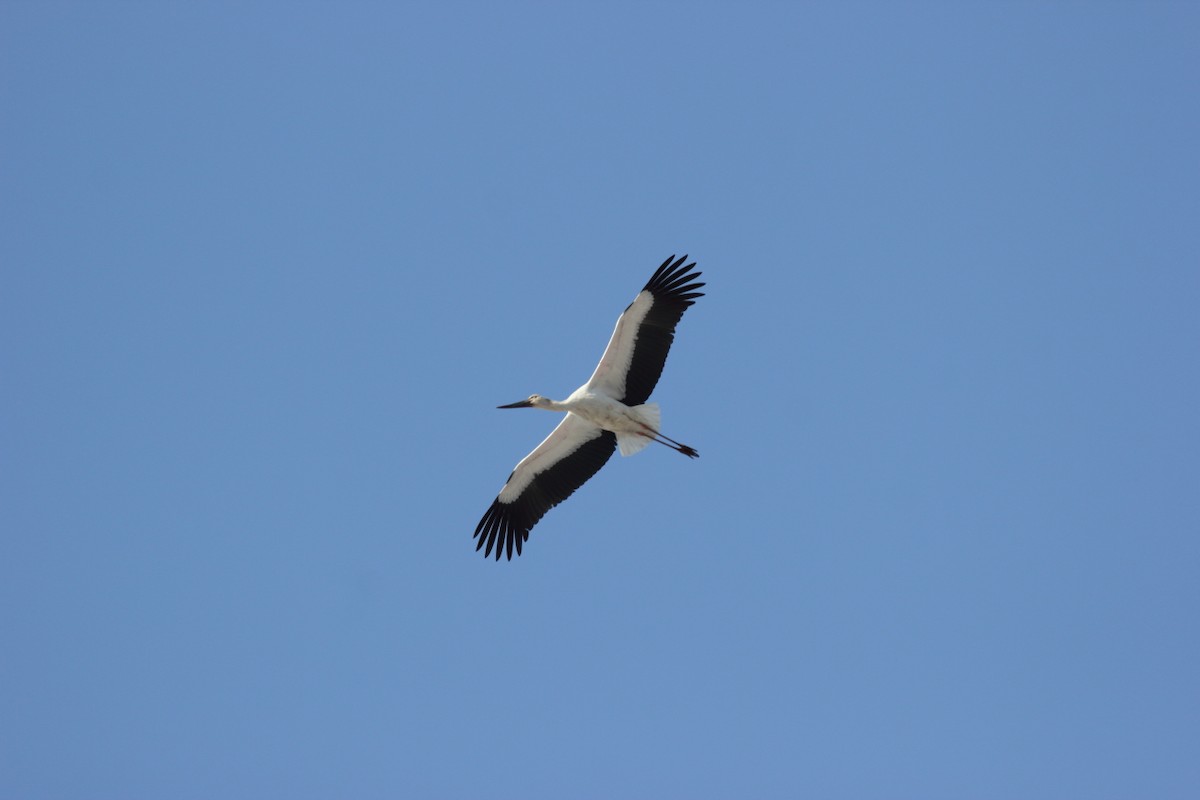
{"x":606,"y":413}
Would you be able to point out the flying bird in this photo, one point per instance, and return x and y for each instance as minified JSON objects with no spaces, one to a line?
{"x":606,"y":413}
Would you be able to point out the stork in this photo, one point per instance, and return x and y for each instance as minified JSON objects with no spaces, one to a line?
{"x":606,"y":413}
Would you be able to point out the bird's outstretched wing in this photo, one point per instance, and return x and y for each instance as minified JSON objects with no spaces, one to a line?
{"x":572,"y":453}
{"x":637,"y":351}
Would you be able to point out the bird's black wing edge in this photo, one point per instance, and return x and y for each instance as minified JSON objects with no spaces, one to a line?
{"x":506,"y":526}
{"x":673,"y":287}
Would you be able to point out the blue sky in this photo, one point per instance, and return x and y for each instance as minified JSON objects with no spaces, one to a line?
{"x":267,"y":269}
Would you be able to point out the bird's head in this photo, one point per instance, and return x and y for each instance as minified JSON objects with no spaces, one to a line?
{"x":533,"y":401}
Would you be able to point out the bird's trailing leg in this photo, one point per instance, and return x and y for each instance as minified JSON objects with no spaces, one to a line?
{"x":650,"y":433}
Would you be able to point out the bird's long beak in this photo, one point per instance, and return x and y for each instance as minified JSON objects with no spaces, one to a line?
{"x":518,"y":404}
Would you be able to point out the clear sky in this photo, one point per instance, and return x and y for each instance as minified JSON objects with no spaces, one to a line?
{"x":267,"y":269}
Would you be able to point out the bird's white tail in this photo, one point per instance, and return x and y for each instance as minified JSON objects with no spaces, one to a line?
{"x":630,"y":443}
